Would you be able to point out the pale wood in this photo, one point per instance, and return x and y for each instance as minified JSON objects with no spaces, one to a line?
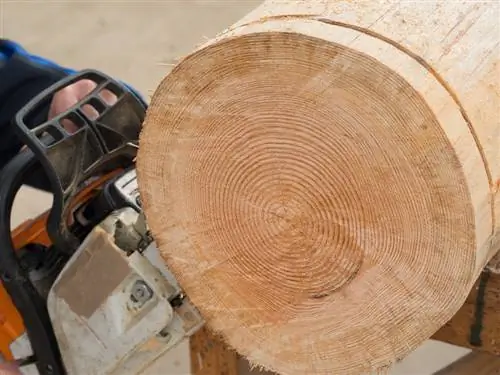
{"x":473,"y":364}
{"x":322,"y":177}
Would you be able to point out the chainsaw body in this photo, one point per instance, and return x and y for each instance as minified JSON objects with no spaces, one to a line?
{"x":84,"y":289}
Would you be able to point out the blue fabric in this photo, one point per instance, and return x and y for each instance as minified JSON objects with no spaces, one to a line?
{"x":9,"y":47}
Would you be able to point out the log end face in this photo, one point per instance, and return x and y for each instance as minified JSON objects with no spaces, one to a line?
{"x":308,"y":201}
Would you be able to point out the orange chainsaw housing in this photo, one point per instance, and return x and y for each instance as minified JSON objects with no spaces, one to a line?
{"x":11,"y":322}
{"x":29,"y":232}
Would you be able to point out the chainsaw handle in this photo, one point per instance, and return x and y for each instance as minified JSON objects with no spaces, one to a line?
{"x":15,"y":279}
{"x":99,"y":145}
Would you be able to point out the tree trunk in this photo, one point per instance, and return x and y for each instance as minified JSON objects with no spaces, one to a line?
{"x":322,"y":177}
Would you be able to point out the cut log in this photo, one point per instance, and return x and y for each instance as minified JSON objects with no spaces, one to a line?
{"x":322,"y":177}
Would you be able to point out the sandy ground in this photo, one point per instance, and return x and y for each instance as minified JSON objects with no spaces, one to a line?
{"x":133,"y":40}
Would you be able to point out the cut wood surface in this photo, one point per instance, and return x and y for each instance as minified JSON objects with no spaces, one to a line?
{"x":322,"y":177}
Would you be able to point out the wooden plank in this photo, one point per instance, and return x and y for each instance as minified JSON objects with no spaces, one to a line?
{"x":474,"y":363}
{"x":209,"y":356}
{"x":477,"y":324}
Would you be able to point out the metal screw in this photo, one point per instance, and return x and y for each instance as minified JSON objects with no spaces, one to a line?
{"x":141,"y":292}
{"x":164,"y":334}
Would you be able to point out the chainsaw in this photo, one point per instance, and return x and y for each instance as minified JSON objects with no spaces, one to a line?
{"x":84,"y":289}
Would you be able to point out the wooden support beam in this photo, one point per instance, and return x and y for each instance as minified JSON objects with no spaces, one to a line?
{"x":474,"y":363}
{"x":477,"y":324}
{"x":210,"y":356}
